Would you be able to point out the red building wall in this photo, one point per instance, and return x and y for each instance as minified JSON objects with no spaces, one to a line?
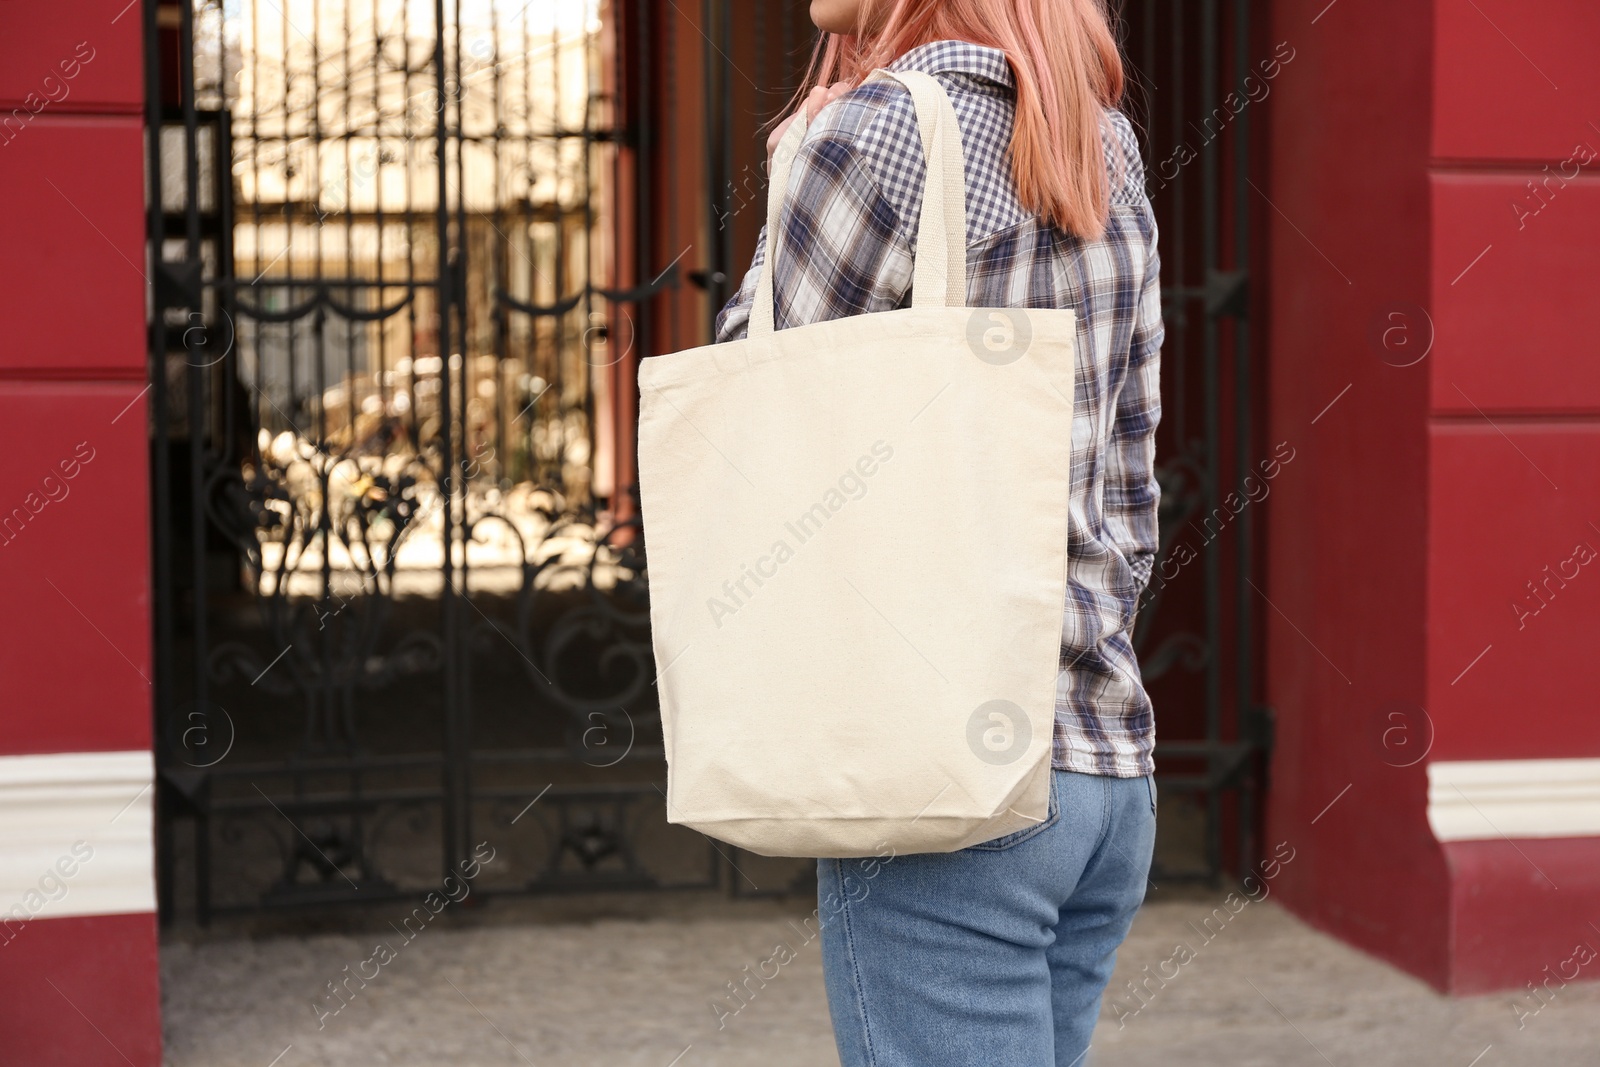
{"x":1438,"y":760}
{"x":1514,"y":497}
{"x":78,"y":973}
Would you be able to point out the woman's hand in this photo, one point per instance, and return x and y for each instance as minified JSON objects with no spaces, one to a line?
{"x":819,"y":98}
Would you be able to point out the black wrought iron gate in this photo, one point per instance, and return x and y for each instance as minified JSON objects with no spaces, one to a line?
{"x":400,"y":597}
{"x":1201,"y":71}
{"x":400,"y":607}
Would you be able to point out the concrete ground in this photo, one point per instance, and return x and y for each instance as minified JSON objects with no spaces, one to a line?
{"x":629,"y":982}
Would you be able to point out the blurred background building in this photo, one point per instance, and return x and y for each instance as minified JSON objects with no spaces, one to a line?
{"x":319,"y":525}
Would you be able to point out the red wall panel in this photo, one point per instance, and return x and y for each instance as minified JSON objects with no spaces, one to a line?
{"x":1515,"y":80}
{"x":60,"y":58}
{"x":74,"y":571}
{"x":1508,"y":510}
{"x":1516,"y":296}
{"x":72,"y":280}
{"x":81,"y":992}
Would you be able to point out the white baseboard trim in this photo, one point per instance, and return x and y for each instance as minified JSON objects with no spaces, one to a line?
{"x":76,"y":836}
{"x":1480,"y":800}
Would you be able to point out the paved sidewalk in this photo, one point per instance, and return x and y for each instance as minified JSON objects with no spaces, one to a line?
{"x":577,"y":984}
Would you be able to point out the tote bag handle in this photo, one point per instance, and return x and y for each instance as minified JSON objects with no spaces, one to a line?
{"x":938,"y":280}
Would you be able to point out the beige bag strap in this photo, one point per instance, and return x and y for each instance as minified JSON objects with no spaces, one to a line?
{"x":937,"y":280}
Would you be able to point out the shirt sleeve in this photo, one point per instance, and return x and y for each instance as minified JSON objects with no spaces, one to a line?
{"x":842,"y":248}
{"x":1132,"y":494}
{"x":733,"y":322}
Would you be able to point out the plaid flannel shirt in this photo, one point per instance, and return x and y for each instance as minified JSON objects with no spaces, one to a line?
{"x":849,"y":222}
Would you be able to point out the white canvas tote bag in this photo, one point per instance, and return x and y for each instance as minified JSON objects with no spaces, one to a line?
{"x":856,"y":535}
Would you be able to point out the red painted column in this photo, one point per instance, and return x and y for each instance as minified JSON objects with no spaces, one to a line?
{"x":1431,"y":342}
{"x":1514,"y":490}
{"x":78,"y":965}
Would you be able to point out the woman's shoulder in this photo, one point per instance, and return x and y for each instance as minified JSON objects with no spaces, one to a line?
{"x":874,"y":125}
{"x":871,"y":113}
{"x":872,"y":129}
{"x":878,"y":116}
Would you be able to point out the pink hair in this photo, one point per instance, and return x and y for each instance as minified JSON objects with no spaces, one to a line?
{"x":1067,"y":67}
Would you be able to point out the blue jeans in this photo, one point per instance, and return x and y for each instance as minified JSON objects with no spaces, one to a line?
{"x":994,"y":956}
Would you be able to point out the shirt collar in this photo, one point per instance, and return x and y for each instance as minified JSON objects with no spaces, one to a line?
{"x":958,"y":57}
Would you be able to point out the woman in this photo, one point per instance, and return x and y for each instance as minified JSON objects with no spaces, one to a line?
{"x":998,"y":954}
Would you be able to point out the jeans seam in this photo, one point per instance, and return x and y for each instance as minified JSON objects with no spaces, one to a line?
{"x":855,"y":970}
{"x":1105,"y":808}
